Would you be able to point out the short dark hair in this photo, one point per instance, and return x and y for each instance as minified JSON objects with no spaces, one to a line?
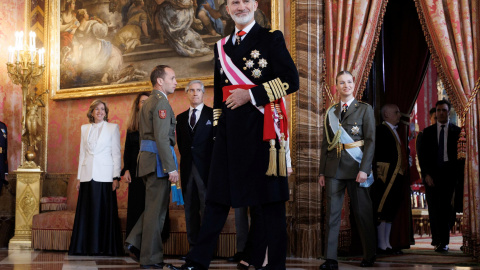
{"x":433,"y":110}
{"x":443,"y":101}
{"x":158,"y":72}
{"x":94,"y":104}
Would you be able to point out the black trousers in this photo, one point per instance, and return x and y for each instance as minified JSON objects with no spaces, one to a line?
{"x":268,"y":228}
{"x":439,"y":200}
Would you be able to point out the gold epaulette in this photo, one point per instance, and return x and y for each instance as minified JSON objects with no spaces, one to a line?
{"x":216,"y":115}
{"x":276,"y":89}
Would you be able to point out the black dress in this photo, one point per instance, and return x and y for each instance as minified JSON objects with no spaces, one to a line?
{"x":96,"y":230}
{"x":136,"y":189}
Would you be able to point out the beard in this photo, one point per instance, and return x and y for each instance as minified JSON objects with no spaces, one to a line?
{"x":243,"y":19}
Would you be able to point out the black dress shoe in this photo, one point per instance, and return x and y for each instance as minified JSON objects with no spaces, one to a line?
{"x":236,"y":258}
{"x":329,"y":264}
{"x":397,"y":251}
{"x":368,"y":263}
{"x":191,"y":266}
{"x":133,"y":250}
{"x":241,"y":266}
{"x":442,"y":248}
{"x":152,"y":266}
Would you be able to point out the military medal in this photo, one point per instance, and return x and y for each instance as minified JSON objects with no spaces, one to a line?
{"x":249,"y":64}
{"x":221,"y":70}
{"x":255,"y":54}
{"x":262,"y":63}
{"x":355,"y":130}
{"x":256,"y":73}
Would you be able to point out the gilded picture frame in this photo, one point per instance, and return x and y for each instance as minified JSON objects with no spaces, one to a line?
{"x":93,"y":85}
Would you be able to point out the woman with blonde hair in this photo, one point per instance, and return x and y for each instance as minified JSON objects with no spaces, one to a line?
{"x":96,"y":230}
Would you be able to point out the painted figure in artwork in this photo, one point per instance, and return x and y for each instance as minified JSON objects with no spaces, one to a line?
{"x":94,"y":56}
{"x":129,"y":35}
{"x":68,"y":23}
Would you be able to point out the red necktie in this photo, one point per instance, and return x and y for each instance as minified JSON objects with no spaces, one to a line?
{"x":239,"y":36}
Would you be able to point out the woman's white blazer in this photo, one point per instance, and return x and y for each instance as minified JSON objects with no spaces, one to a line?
{"x":104,"y":162}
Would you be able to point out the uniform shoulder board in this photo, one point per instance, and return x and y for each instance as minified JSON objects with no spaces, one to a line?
{"x":363,"y":102}
{"x":271,"y":30}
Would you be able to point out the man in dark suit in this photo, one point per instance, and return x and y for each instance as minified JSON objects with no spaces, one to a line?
{"x":157,"y":166}
{"x":195,"y":142}
{"x":391,"y":186}
{"x":3,"y":155}
{"x":253,"y":71}
{"x":442,"y":170}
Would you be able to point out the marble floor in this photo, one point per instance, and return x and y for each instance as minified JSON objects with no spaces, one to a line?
{"x":419,"y":257}
{"x":416,"y":259}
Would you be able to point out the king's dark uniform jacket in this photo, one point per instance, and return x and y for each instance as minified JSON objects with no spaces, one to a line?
{"x":240,"y":156}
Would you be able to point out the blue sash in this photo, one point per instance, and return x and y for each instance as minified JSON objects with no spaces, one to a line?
{"x":151,"y":146}
{"x":356,"y":153}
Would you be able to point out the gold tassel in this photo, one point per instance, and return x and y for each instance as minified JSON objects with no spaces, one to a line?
{"x":272,"y":165}
{"x":462,"y":145}
{"x":282,"y":158}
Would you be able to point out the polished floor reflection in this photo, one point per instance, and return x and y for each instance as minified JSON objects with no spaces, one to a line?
{"x":420,"y":257}
{"x":411,"y":259}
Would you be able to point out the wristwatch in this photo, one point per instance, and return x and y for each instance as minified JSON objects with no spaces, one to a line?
{"x":117,"y":178}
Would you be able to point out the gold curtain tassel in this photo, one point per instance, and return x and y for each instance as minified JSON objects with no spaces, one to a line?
{"x":462,"y":145}
{"x":272,"y":165}
{"x":282,"y":159}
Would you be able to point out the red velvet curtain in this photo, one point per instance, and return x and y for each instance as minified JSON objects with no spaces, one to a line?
{"x":452,"y":29}
{"x":351,"y":34}
{"x":406,"y":59}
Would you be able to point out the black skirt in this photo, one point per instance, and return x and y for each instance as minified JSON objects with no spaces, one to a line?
{"x":96,"y":230}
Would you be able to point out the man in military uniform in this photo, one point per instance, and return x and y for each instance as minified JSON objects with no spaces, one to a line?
{"x":391,"y":187}
{"x":345,"y":163}
{"x":157,"y":166}
{"x":3,"y":155}
{"x":253,"y":71}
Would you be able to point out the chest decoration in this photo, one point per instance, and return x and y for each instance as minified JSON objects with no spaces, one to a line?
{"x":4,"y":133}
{"x":355,"y":130}
{"x":255,"y":54}
{"x":262,"y":63}
{"x":256,"y":73}
{"x":250,"y":64}
{"x":221,"y":71}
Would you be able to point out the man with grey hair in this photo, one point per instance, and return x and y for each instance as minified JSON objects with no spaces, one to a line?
{"x":195,"y":143}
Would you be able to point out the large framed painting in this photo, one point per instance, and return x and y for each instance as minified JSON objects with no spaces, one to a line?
{"x":109,"y":47}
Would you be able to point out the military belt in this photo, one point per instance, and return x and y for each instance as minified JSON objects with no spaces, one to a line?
{"x":351,"y":145}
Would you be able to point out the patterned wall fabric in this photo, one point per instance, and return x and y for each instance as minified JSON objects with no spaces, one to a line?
{"x":11,"y":20}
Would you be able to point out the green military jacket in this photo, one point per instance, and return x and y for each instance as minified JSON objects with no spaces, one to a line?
{"x":157,"y":123}
{"x":359,"y":123}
